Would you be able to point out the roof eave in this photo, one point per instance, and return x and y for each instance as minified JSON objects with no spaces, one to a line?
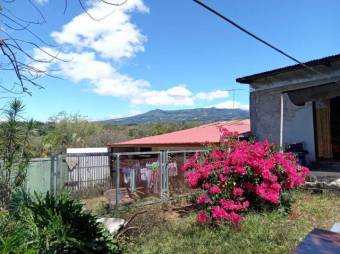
{"x":322,"y":61}
{"x":163,"y":145}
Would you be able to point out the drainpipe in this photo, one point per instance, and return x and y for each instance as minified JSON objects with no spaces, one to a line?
{"x":281,"y":122}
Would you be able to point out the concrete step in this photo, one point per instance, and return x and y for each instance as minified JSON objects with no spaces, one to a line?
{"x":325,"y":166}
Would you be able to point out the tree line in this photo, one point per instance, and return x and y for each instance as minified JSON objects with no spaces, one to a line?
{"x":66,"y":130}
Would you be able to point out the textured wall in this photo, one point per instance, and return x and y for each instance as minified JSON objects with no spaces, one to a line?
{"x":265,"y":120}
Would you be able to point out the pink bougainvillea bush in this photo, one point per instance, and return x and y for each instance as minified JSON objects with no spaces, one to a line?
{"x":238,"y":175}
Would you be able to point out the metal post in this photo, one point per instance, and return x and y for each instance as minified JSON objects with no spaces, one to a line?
{"x":161,"y":164}
{"x":166,"y":155}
{"x":164,"y":175}
{"x":281,"y":122}
{"x":57,"y":185}
{"x":52,"y":176}
{"x":117,"y":180}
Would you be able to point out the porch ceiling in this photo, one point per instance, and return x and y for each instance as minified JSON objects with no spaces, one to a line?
{"x":327,"y":91}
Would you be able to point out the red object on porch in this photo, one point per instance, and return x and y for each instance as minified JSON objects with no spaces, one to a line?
{"x":205,"y":134}
{"x":319,"y":241}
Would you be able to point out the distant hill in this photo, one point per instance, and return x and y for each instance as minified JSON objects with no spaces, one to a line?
{"x":197,"y":114}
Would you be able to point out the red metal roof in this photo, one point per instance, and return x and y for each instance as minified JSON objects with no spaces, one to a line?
{"x":209,"y":133}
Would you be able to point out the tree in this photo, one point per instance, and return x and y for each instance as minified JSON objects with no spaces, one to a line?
{"x":16,"y":53}
{"x":15,"y":135}
{"x":70,"y":130}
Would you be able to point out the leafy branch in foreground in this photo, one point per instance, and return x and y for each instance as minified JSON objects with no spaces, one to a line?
{"x":14,"y":154}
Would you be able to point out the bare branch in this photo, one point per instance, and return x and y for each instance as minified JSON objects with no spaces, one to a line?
{"x":26,"y":29}
{"x":19,"y":55}
{"x":21,"y":19}
{"x":114,"y":4}
{"x":38,"y":10}
{"x":90,"y":15}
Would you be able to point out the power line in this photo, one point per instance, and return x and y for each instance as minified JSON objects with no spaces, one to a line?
{"x":261,"y":40}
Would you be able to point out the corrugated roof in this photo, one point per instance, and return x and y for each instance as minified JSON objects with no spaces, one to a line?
{"x":209,"y":133}
{"x":325,"y":60}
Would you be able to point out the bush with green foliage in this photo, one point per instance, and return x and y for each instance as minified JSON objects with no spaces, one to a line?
{"x":52,"y":224}
{"x":15,"y":135}
{"x":238,"y":175}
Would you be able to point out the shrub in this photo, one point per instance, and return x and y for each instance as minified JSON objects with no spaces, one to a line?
{"x":54,"y":224}
{"x":16,"y":235}
{"x":238,"y":175}
{"x":15,"y":135}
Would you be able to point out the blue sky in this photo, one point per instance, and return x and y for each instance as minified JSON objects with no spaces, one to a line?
{"x":169,"y":54}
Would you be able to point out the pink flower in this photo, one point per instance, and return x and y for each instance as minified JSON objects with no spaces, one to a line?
{"x":267,"y":175}
{"x":268,"y":193}
{"x":218,"y":213}
{"x":217,"y":154}
{"x":248,"y":186}
{"x":236,"y":172}
{"x":228,"y":205}
{"x":223,"y":178}
{"x":240,"y":170}
{"x":206,"y":186}
{"x":214,"y":190}
{"x":206,"y":170}
{"x":203,"y":199}
{"x":237,"y":192}
{"x":192,"y":179}
{"x":276,"y":187}
{"x":235,"y":218}
{"x":245,"y":204}
{"x":305,"y":171}
{"x":202,"y":217}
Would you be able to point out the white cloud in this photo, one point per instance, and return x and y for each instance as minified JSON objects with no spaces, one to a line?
{"x":93,"y":50}
{"x":41,"y":2}
{"x":45,"y":56}
{"x":212,"y":95}
{"x":175,"y":96}
{"x":113,"y":37}
{"x":231,"y":104}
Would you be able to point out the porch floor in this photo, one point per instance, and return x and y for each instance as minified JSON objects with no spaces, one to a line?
{"x":325,"y":171}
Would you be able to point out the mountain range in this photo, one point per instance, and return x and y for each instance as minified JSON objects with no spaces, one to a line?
{"x":165,"y":116}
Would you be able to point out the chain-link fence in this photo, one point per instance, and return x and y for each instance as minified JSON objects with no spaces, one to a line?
{"x":123,"y":178}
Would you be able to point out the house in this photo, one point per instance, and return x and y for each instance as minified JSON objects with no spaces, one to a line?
{"x":299,"y":104}
{"x":190,"y":139}
{"x":141,"y":160}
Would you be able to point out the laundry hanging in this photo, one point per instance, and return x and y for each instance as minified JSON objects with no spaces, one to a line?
{"x":172,"y":168}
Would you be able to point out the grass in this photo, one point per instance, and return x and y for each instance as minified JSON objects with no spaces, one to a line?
{"x":165,"y":232}
{"x":95,"y":204}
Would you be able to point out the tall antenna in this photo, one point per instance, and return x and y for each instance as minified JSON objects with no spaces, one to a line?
{"x":234,"y":94}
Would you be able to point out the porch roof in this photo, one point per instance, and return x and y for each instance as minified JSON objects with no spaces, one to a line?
{"x":321,"y":61}
{"x":327,"y":91}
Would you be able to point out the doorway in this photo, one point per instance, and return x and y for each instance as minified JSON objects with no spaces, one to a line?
{"x":327,"y":120}
{"x":335,"y":126}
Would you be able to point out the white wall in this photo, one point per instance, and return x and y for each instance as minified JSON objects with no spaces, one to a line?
{"x":298,"y":121}
{"x":299,"y":126}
